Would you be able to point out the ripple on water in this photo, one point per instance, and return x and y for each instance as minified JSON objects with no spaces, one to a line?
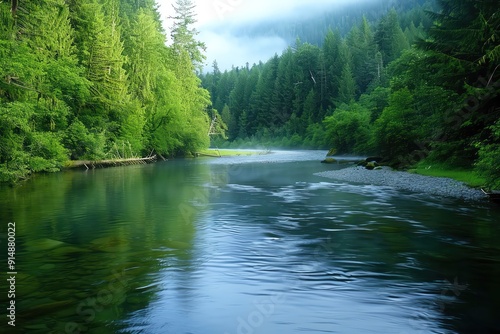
{"x":341,"y":257}
{"x":289,"y":195}
{"x":245,"y":188}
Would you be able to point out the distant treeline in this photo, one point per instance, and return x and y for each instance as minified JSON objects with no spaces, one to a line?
{"x":312,"y":26}
{"x":417,"y":83}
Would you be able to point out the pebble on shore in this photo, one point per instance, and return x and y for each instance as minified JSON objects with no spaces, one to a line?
{"x":406,"y":181}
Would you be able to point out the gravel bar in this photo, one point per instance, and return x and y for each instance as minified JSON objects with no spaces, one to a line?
{"x":406,"y":181}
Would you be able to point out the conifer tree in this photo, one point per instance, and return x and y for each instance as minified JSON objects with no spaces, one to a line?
{"x":184,"y":35}
{"x":362,"y":46}
{"x":389,"y":37}
{"x":333,"y":67}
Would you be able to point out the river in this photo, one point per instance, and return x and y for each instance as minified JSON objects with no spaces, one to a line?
{"x":246,"y":245}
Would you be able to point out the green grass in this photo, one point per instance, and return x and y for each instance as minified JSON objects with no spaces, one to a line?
{"x":468,"y":176}
{"x":230,"y":153}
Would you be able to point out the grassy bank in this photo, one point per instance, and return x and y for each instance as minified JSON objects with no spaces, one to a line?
{"x":468,"y":176}
{"x":230,"y":153}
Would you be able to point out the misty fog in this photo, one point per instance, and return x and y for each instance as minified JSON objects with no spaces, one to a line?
{"x":237,"y":32}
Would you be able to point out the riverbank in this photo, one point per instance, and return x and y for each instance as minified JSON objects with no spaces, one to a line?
{"x":439,"y":186}
{"x":230,"y":153}
{"x":109,"y":163}
{"x":467,"y":176}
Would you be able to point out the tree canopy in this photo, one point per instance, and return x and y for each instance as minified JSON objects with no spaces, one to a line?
{"x":95,"y":79}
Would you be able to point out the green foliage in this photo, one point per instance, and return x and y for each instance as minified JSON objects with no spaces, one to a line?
{"x":462,"y":47}
{"x":19,"y":69}
{"x":367,"y":91}
{"x":488,"y":163}
{"x":376,"y":101}
{"x":348,"y":129}
{"x":46,"y":152}
{"x":468,"y":176}
{"x":467,"y":33}
{"x":81,"y":78}
{"x":183,"y":35}
{"x":82,"y":143}
{"x":291,"y":93}
{"x":395,"y":129}
{"x":363,"y":48}
{"x":347,"y":90}
{"x":390,"y":37}
{"x":14,"y":133}
{"x":23,"y":150}
{"x":315,"y":137}
{"x":15,"y":120}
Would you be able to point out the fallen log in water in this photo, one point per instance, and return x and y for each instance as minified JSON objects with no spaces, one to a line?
{"x":110,"y":162}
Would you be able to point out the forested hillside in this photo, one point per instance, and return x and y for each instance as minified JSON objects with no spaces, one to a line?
{"x":312,"y":27}
{"x":391,"y":86}
{"x":94,"y":79}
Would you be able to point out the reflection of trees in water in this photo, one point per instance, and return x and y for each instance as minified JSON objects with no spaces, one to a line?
{"x":93,"y":245}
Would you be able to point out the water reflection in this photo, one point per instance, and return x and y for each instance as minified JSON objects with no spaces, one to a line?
{"x":91,"y":245}
{"x":220,"y":246}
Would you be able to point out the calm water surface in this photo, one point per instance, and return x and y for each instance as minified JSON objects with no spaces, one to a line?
{"x":247,"y":245}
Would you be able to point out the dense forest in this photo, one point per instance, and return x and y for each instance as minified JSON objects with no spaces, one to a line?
{"x":96,"y":79}
{"x":415,"y":83}
{"x":102,"y":79}
{"x":312,"y":26}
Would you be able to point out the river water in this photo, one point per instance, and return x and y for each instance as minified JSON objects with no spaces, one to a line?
{"x":246,"y":245}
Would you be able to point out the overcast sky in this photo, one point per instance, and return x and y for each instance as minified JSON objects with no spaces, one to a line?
{"x":217,"y":20}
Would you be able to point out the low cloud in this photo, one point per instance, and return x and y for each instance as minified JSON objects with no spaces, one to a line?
{"x":223,"y":26}
{"x":241,"y":12}
{"x":230,"y":50}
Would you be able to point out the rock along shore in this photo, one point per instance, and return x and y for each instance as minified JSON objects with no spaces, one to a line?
{"x":406,"y":181}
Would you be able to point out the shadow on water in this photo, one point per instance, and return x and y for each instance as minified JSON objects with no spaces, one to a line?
{"x":247,"y":245}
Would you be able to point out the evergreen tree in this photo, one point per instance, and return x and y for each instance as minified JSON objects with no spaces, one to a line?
{"x":403,"y":102}
{"x":467,"y":32}
{"x":36,"y":53}
{"x":184,"y":36}
{"x":331,"y":57}
{"x":81,"y":78}
{"x":306,"y":74}
{"x":282,"y":84}
{"x":463,"y":43}
{"x":362,"y":46}
{"x":310,"y":113}
{"x":395,"y":135}
{"x":347,"y":90}
{"x":390,"y":37}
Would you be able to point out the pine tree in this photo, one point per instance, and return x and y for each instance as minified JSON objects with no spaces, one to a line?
{"x":145,"y":49}
{"x":390,"y":38}
{"x":467,"y":32}
{"x":184,"y":36}
{"x":306,"y":71}
{"x":347,"y":90}
{"x":463,"y":43}
{"x":333,"y":67}
{"x":193,"y":101}
{"x":282,"y":84}
{"x":362,"y":46}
